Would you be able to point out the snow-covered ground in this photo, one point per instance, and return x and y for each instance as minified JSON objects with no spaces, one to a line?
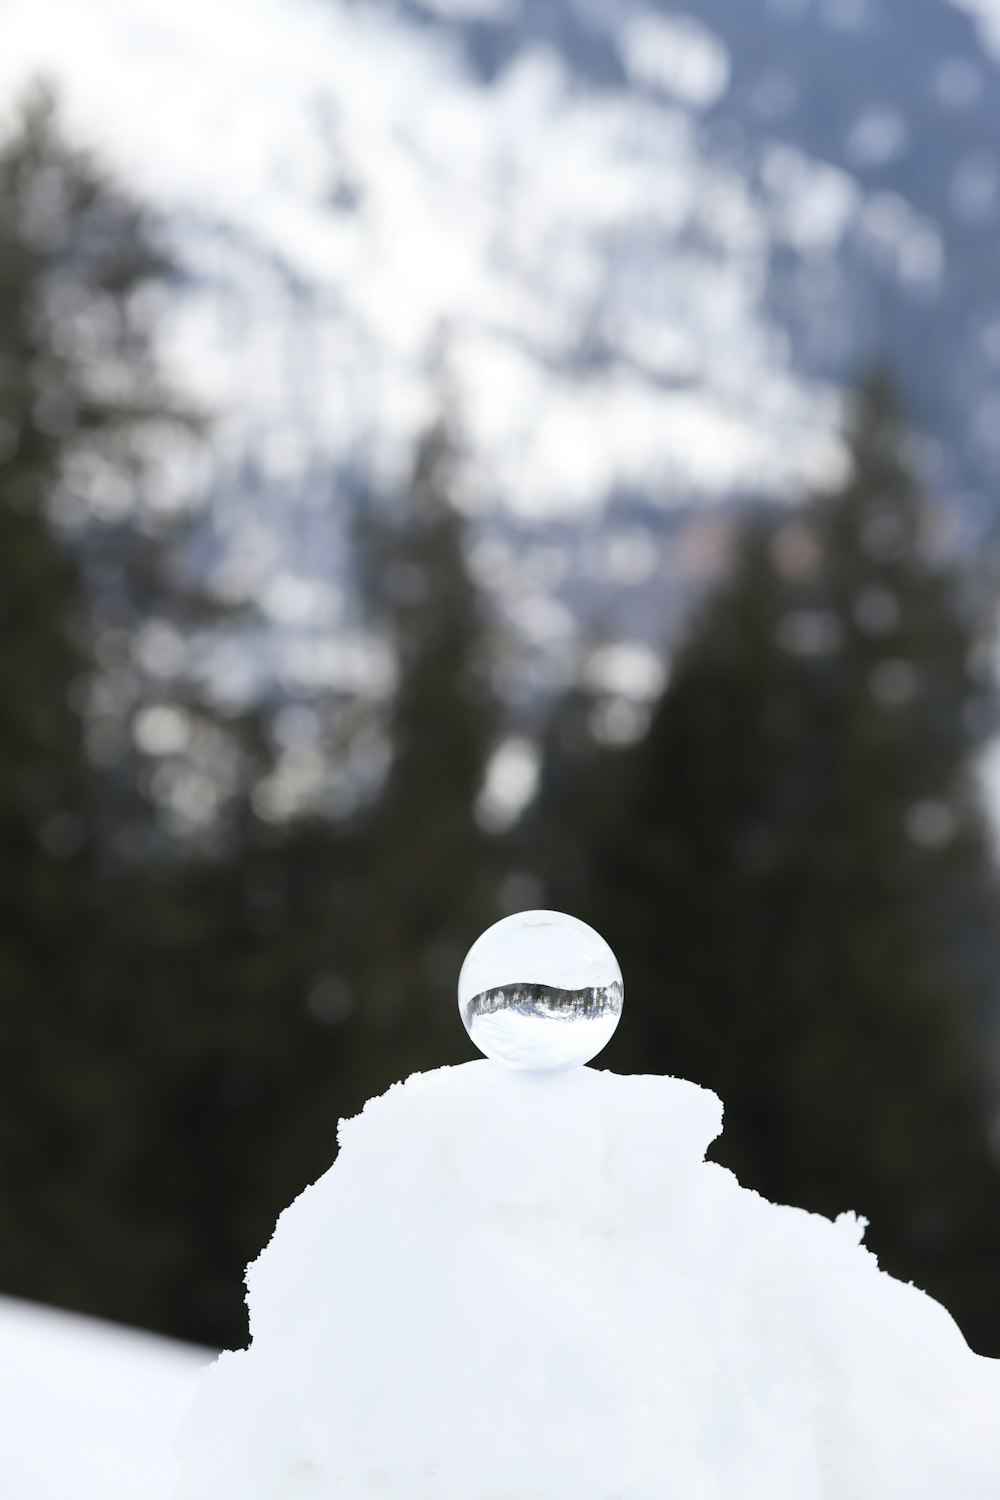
{"x":533,"y":1285}
{"x":522,"y":1285}
{"x":88,"y":1411}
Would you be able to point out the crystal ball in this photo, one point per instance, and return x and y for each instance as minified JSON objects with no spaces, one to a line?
{"x":540,"y":990}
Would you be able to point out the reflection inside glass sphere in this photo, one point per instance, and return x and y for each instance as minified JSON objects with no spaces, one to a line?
{"x":540,"y":990}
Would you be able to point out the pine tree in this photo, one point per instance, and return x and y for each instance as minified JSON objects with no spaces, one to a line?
{"x":234,"y":1056}
{"x":86,"y":564}
{"x":798,"y":882}
{"x":178,"y":1014}
{"x":316,"y":962}
{"x":429,"y":867}
{"x":44,"y":830}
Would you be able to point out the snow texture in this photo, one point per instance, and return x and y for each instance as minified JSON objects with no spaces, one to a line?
{"x":88,"y":1411}
{"x":515,"y":1285}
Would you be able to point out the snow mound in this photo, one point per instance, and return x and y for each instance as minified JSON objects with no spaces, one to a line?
{"x":516,"y":1285}
{"x":88,"y":1410}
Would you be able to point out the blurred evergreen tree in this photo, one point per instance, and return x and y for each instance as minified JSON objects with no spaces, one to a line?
{"x":312,"y":961}
{"x":55,"y":239}
{"x":797,"y":880}
{"x":430,"y":871}
{"x":46,"y":832}
{"x":235,"y":1056}
{"x":90,"y":560}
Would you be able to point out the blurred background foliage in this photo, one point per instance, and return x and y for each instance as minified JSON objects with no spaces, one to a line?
{"x":199,"y":976}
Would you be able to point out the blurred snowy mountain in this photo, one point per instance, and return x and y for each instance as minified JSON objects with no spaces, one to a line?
{"x":644,"y":246}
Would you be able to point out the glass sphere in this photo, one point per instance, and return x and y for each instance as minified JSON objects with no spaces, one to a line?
{"x":540,"y":990}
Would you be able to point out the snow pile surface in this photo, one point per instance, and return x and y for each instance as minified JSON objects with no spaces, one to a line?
{"x":88,"y":1411}
{"x":515,"y":1285}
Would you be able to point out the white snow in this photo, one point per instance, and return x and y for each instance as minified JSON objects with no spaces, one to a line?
{"x":88,"y":1411}
{"x":986,"y":14}
{"x":679,"y":54}
{"x":474,"y":10}
{"x":509,"y":784}
{"x":626,"y":668}
{"x":525,"y":1286}
{"x":353,"y":207}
